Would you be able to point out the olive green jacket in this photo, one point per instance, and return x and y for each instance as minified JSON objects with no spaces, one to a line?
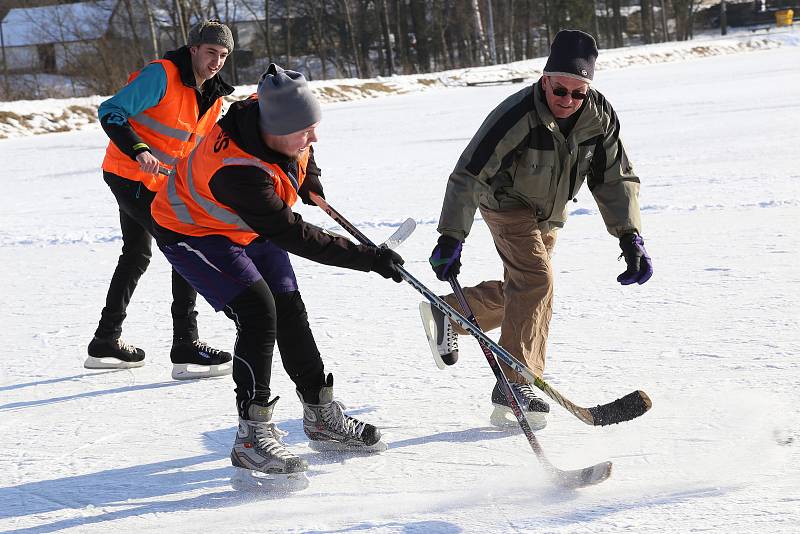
{"x":519,"y":159}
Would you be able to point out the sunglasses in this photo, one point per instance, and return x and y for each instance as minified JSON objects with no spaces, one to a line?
{"x":562,"y":91}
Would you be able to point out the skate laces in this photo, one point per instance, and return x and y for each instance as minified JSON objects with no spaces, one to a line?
{"x":268,"y":437}
{"x":333,"y":415}
{"x":127,"y":347}
{"x":525,"y":391}
{"x":205,"y":347}
{"x":451,"y":339}
{"x":450,"y":336}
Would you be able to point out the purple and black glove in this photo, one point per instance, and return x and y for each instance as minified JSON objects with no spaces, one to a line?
{"x":446,"y":257}
{"x":640,"y":268}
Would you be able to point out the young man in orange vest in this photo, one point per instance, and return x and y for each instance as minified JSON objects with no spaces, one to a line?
{"x":224,"y":221}
{"x":158,"y":117}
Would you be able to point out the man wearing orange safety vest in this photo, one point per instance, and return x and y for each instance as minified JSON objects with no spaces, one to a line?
{"x":224,"y":221}
{"x":158,"y":117}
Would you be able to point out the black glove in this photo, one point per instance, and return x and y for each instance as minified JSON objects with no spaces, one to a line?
{"x":386,"y":262}
{"x":311,"y":184}
{"x":446,"y":257}
{"x":640,"y":267}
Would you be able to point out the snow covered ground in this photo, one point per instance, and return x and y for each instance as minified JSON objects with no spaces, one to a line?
{"x":714,"y":337}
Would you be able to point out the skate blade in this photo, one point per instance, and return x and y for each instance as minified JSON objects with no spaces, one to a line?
{"x":110,"y":363}
{"x":429,"y":324}
{"x":250,"y":480}
{"x":337,"y":446}
{"x":190,"y":371}
{"x":503,"y":417}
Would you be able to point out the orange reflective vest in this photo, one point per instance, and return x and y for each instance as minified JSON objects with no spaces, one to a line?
{"x":186,"y":205}
{"x":171,"y":129}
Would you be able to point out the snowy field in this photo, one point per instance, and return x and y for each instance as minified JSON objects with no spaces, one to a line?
{"x":713,"y":338}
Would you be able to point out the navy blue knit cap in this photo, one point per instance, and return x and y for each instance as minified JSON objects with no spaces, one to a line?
{"x":572,"y":54}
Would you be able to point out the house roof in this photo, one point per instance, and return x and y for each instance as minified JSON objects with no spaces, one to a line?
{"x":84,"y":21}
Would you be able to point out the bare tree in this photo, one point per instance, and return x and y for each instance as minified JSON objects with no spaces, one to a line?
{"x":288,"y":32}
{"x":180,"y":18}
{"x":480,"y":35}
{"x":683,"y":18}
{"x":151,"y":25}
{"x":383,"y":16}
{"x":617,"y":23}
{"x":646,"y":14}
{"x":352,"y":35}
{"x":490,"y":33}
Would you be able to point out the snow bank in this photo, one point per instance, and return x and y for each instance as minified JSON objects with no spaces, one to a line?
{"x":31,"y":117}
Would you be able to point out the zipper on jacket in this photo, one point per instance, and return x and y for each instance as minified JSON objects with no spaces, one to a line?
{"x":573,"y":175}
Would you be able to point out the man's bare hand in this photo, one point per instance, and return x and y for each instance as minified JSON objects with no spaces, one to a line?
{"x":148,"y":162}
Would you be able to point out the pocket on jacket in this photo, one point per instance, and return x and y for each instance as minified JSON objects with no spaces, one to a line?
{"x":533,"y":176}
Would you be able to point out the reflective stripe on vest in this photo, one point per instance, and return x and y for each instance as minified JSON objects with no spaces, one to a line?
{"x":212,"y":210}
{"x":164,"y":158}
{"x":163,"y":129}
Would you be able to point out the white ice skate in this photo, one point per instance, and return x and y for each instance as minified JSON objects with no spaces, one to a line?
{"x":533,"y":408}
{"x":330,"y":429}
{"x":260,"y":459}
{"x":442,"y":338}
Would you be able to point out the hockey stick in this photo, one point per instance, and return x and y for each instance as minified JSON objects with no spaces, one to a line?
{"x":570,"y":479}
{"x":623,"y":409}
{"x":573,"y":479}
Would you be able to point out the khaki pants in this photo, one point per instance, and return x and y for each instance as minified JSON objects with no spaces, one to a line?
{"x":522,"y":304}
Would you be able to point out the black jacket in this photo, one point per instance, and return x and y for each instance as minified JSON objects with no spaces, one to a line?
{"x":250,"y":192}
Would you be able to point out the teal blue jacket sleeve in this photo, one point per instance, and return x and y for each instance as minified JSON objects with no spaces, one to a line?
{"x":143,"y":92}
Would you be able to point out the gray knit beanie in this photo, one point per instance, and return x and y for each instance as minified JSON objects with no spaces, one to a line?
{"x":211,"y":32}
{"x":285,"y":102}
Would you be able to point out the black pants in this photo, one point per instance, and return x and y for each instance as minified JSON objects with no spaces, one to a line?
{"x":134,"y":201}
{"x":261,"y":318}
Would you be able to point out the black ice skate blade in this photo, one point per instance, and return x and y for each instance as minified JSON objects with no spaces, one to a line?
{"x":273,"y":483}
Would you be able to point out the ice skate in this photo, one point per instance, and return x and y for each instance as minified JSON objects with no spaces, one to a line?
{"x":260,"y":459}
{"x":534,"y":408}
{"x":441,"y":336}
{"x":196,"y":359}
{"x":330,"y":429}
{"x":113,"y":354}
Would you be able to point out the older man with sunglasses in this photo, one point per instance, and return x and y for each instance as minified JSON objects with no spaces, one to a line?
{"x":526,"y":162}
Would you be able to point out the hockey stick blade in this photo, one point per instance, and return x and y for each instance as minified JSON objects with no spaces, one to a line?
{"x":401,"y":234}
{"x":580,"y":478}
{"x":626,"y":408}
{"x":397,"y":238}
